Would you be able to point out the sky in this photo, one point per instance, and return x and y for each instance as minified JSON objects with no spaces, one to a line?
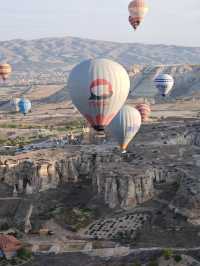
{"x":168,"y":21}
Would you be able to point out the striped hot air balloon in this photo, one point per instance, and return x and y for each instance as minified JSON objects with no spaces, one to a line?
{"x":9,"y":243}
{"x":145,"y":111}
{"x":24,"y":106}
{"x":137,"y":10}
{"x":164,"y":83}
{"x":125,"y":126}
{"x":98,"y":89}
{"x":5,"y":71}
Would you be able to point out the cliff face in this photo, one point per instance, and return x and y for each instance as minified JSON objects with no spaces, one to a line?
{"x":123,"y":185}
{"x":29,"y":176}
{"x":187,"y":79}
{"x":120,"y":184}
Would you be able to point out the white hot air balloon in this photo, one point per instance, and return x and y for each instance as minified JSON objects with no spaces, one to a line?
{"x":98,"y":89}
{"x":164,"y":83}
{"x":14,"y":104}
{"x":125,"y":126}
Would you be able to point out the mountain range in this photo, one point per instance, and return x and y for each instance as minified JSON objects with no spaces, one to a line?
{"x":51,"y":55}
{"x":51,"y":60}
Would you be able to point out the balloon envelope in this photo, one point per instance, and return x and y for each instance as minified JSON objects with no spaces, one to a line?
{"x":5,"y":71}
{"x":24,"y":106}
{"x":164,"y":83}
{"x":125,"y":125}
{"x":137,"y":10}
{"x":14,"y":104}
{"x":98,"y":89}
{"x":145,"y":111}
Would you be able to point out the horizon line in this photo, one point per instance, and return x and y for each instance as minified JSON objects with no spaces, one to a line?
{"x":97,"y":40}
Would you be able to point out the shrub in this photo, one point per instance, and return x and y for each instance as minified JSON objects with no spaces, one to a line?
{"x":2,"y":141}
{"x":5,"y":226}
{"x":177,"y":258}
{"x":24,"y":254}
{"x":167,"y":253}
{"x":8,"y":126}
{"x":153,"y":263}
{"x":77,"y":217}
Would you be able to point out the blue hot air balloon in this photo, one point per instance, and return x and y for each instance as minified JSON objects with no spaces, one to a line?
{"x":24,"y":106}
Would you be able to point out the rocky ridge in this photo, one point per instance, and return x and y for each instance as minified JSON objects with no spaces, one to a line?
{"x":170,"y":157}
{"x":50,"y":55}
{"x":186,"y":76}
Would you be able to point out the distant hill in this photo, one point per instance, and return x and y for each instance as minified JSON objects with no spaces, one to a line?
{"x":51,"y":60}
{"x":52,"y":55}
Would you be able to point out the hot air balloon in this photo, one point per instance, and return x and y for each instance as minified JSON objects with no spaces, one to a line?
{"x":14,"y":104}
{"x":145,"y":111}
{"x":137,"y":10}
{"x":164,"y":83}
{"x":98,"y":89}
{"x":5,"y":71}
{"x":125,"y":126}
{"x":24,"y":106}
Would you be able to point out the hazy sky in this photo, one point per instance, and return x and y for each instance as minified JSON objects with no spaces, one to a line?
{"x":168,"y":22}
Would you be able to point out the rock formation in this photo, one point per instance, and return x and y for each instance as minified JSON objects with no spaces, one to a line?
{"x":167,"y":153}
{"x":123,"y":185}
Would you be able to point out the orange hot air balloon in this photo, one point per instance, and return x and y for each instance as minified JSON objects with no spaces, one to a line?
{"x":5,"y":71}
{"x":137,"y":10}
{"x":145,"y":111}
